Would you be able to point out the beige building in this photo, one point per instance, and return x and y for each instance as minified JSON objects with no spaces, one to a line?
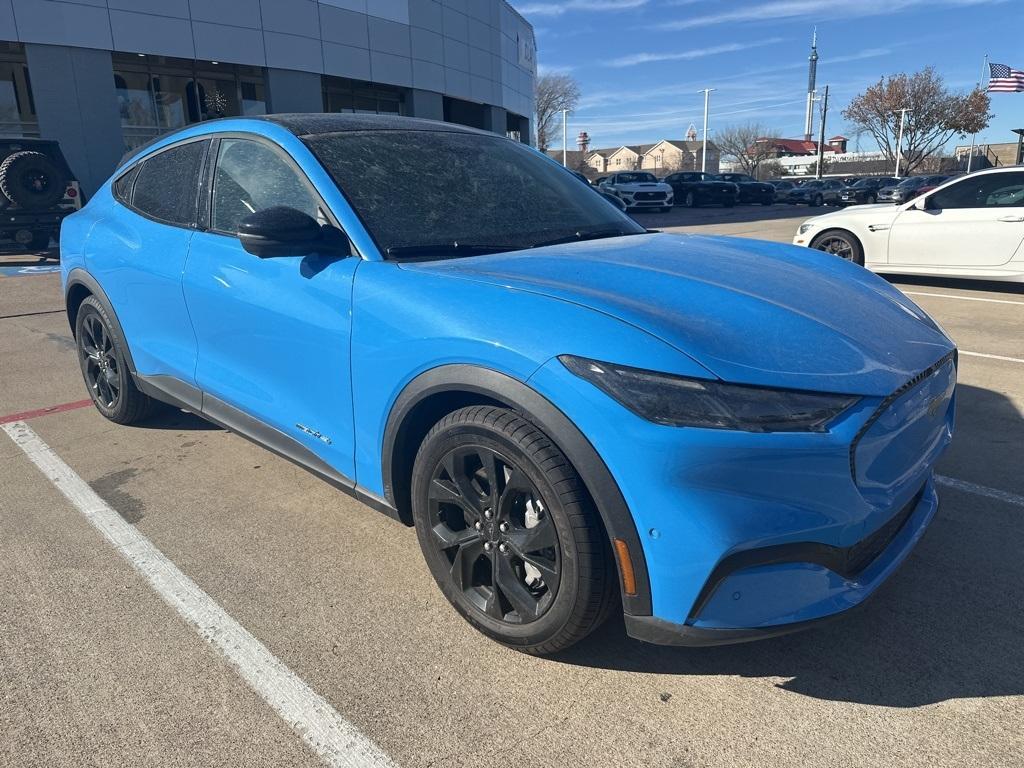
{"x":665,"y":156}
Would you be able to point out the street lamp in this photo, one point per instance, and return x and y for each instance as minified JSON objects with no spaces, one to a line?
{"x":704,"y":149}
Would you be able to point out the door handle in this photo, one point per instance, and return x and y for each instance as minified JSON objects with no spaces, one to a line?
{"x":1010,"y":219}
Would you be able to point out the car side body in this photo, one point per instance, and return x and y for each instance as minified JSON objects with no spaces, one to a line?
{"x":695,"y":188}
{"x":751,"y":191}
{"x":969,"y":226}
{"x":349,"y":361}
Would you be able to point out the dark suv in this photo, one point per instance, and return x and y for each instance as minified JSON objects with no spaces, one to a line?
{"x":37,"y":190}
{"x":865,"y":190}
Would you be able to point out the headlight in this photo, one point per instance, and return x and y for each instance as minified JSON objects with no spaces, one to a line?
{"x":804,"y":228}
{"x":682,"y":402}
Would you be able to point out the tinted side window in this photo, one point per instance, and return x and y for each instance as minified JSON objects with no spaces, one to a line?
{"x":166,"y":184}
{"x":994,"y":190}
{"x":251,"y":176}
{"x":122,"y":187}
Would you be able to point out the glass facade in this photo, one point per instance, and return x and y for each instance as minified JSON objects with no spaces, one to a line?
{"x":17,"y":110}
{"x":344,"y":95}
{"x":157,"y":94}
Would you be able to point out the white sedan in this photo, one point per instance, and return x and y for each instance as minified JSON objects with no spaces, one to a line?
{"x":971,"y":226}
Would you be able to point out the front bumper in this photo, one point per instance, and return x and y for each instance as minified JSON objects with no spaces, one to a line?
{"x":748,"y":535}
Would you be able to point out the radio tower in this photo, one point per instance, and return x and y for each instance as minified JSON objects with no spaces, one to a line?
{"x":812,"y":74}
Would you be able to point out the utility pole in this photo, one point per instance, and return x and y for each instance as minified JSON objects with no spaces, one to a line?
{"x":821,"y":133}
{"x":970,"y":157}
{"x":704,"y":150}
{"x":565,"y":138}
{"x":899,"y":141}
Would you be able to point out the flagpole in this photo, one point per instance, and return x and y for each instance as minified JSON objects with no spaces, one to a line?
{"x":704,"y":149}
{"x":970,"y":157}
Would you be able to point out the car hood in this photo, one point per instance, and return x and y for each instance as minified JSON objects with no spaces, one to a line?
{"x":748,"y":311}
{"x":644,"y":186}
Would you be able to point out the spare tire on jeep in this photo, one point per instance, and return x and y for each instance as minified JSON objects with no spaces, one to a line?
{"x":32,"y":180}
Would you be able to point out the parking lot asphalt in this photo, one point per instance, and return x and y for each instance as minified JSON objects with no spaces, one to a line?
{"x":97,"y":669}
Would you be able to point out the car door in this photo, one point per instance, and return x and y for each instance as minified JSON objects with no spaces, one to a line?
{"x":139,"y":256}
{"x":272,"y":333}
{"x":975,"y":222}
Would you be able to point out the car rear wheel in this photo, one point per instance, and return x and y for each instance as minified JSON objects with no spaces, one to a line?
{"x":690,"y":201}
{"x":509,"y":532}
{"x":871,"y":199}
{"x":818,"y":200}
{"x":840,"y":243}
{"x":106,"y":375}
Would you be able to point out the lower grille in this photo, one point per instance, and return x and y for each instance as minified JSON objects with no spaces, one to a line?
{"x":649,"y":196}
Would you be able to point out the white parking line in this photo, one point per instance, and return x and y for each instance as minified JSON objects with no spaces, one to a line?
{"x":963,"y":298}
{"x":981,"y":490}
{"x":993,"y":357}
{"x":328,"y":734}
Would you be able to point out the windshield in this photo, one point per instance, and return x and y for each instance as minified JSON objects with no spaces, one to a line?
{"x":913,"y":181}
{"x":811,"y":185}
{"x":634,"y":178}
{"x":433,"y":194}
{"x":866,"y":183}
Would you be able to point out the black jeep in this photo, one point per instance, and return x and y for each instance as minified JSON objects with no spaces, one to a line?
{"x":37,"y":190}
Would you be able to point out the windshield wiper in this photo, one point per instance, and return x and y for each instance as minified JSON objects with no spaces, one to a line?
{"x":443,"y":250}
{"x":597,"y":234}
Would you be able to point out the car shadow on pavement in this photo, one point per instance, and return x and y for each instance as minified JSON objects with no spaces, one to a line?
{"x":169,"y":417}
{"x":948,"y":625}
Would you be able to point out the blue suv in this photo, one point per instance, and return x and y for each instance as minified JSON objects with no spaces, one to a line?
{"x":728,"y":439}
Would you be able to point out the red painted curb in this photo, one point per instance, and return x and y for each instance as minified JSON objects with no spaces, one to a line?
{"x":25,"y":415}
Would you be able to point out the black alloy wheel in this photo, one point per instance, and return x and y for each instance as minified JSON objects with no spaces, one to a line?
{"x":100,"y":366}
{"x":871,"y":199}
{"x":818,"y":200}
{"x":690,"y":201}
{"x":106,"y":374}
{"x":508,"y":531}
{"x":839,"y":243}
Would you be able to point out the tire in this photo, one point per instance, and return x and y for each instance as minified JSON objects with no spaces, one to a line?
{"x":729,"y":203}
{"x":32,"y":180}
{"x":818,"y":200}
{"x":690,"y":201}
{"x":871,"y":199}
{"x":102,"y":362}
{"x":840,"y":243}
{"x":462,"y":537}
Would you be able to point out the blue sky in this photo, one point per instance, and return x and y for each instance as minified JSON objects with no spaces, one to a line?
{"x":641,"y":63}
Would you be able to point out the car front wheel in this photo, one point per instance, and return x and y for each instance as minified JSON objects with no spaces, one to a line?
{"x":840,"y":243}
{"x":690,"y":201}
{"x":509,"y":532}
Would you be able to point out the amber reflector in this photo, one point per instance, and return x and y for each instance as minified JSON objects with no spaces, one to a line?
{"x":625,"y":566}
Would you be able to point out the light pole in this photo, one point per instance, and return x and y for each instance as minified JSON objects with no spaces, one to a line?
{"x":899,"y":141}
{"x":704,"y":149}
{"x":565,"y":138}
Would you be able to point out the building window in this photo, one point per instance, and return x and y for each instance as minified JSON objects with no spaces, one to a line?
{"x":344,"y":95}
{"x":157,"y":94}
{"x":17,"y":110}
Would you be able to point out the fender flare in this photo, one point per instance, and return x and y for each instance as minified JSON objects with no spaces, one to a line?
{"x":79,"y":276}
{"x":490,"y":384}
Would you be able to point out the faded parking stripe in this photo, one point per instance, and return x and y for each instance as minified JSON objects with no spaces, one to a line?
{"x":981,"y":490}
{"x":315,"y":721}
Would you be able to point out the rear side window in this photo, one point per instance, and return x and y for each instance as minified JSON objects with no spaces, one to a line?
{"x":167,"y":183}
{"x":123,"y":186}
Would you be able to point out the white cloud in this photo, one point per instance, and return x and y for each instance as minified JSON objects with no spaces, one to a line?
{"x":695,"y":53}
{"x":557,"y":9}
{"x":788,"y":9}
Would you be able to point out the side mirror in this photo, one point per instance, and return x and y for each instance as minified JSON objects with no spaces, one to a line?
{"x":919,"y":204}
{"x":283,"y":231}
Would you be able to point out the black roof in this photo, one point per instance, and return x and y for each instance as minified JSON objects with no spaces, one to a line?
{"x":313,"y":123}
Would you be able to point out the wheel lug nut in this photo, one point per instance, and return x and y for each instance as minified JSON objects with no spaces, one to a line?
{"x":503,"y":548}
{"x":503,"y":527}
{"x":488,"y":514}
{"x":488,"y":546}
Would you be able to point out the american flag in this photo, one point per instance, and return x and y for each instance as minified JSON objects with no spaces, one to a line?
{"x":1004,"y":79}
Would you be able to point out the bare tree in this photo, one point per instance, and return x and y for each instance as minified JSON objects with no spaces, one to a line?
{"x":770,"y":169}
{"x":555,"y":92}
{"x":934,"y":114}
{"x":739,"y":143}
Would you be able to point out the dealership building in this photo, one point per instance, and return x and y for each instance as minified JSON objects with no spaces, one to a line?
{"x":104,"y":76}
